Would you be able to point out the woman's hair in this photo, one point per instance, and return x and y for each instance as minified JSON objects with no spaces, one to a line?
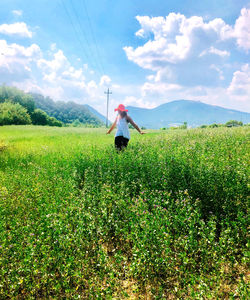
{"x":123,"y":114}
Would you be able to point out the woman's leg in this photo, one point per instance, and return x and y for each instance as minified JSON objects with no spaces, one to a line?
{"x":118,"y":142}
{"x":125,"y":142}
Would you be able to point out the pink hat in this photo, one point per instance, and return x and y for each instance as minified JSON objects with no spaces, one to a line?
{"x":121,"y":107}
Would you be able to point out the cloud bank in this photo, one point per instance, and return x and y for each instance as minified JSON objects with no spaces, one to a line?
{"x":191,"y":58}
{"x":16,"y":29}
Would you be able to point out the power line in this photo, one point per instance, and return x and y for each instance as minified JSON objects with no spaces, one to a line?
{"x":84,"y":35}
{"x":75,"y":31}
{"x":93,"y":36}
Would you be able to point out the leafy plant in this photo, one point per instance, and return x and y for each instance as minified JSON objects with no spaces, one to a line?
{"x":167,"y":218}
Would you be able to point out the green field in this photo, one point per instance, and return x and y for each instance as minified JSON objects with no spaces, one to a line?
{"x":165,"y":219}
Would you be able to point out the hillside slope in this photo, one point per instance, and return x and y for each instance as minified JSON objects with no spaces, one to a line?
{"x":96,"y":113}
{"x":67,"y":112}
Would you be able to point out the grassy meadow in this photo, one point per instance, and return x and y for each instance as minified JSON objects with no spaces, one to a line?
{"x":165,"y":219}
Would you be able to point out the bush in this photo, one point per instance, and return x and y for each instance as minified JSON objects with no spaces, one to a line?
{"x":54,"y":122}
{"x":76,"y":123}
{"x":233,"y":123}
{"x":39,"y":117}
{"x":11,"y":113}
{"x":214,"y":125}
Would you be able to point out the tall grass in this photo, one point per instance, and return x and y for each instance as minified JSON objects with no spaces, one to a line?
{"x":165,"y":218}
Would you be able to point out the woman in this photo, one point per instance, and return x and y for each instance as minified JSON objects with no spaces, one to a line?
{"x":122,"y":135}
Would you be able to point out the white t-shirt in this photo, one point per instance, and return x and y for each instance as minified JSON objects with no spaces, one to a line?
{"x":122,"y":128}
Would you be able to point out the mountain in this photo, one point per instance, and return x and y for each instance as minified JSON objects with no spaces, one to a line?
{"x":177,"y":112}
{"x":97,"y":114}
{"x":68,"y":112}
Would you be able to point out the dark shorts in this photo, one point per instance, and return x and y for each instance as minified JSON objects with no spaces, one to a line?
{"x":121,"y":142}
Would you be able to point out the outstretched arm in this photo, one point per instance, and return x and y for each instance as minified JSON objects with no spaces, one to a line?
{"x":112,"y":127}
{"x":135,"y":125}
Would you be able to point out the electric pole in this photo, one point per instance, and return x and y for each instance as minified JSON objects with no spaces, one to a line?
{"x":107,"y":93}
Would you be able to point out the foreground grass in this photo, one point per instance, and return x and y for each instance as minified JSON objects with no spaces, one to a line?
{"x":165,"y":219}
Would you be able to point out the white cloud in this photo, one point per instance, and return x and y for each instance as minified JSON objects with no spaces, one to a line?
{"x":17,"y":12}
{"x":139,"y":102}
{"x":191,"y":59}
{"x":16,"y":61}
{"x":158,"y":89}
{"x":18,"y":29}
{"x":214,"y":67}
{"x":105,"y":81}
{"x":215,"y":51}
{"x":240,"y":84}
{"x":31,"y":70}
{"x":242,"y":29}
{"x":176,"y":39}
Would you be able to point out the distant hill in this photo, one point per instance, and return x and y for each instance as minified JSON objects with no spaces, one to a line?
{"x":193,"y":112}
{"x":96,"y":113}
{"x":68,"y":112}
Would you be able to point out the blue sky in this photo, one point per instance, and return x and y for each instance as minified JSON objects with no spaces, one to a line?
{"x":148,"y":52}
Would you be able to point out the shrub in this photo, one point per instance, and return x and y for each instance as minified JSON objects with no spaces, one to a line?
{"x":214,"y":125}
{"x":11,"y":113}
{"x":233,"y":123}
{"x":54,"y":122}
{"x":39,"y":117}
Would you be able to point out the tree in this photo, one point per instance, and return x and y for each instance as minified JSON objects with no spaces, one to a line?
{"x":11,"y":113}
{"x":76,"y":123}
{"x":233,"y":123}
{"x":54,"y":122}
{"x":17,"y":96}
{"x":39,"y":117}
{"x":214,"y":125}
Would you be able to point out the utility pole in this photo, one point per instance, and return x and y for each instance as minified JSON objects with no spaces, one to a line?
{"x":107,"y":93}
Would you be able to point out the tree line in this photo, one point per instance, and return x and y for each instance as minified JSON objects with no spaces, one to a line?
{"x":18,"y":108}
{"x":67,"y":112}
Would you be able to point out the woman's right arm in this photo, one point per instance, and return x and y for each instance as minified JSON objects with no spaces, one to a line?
{"x":135,"y":125}
{"x":112,"y":127}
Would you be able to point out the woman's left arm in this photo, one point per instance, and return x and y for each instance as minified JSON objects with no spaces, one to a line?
{"x":112,"y":127}
{"x":135,"y":125}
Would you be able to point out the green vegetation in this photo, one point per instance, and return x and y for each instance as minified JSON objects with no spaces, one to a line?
{"x":18,"y":108}
{"x":67,"y":112}
{"x":11,"y":113}
{"x":39,"y":117}
{"x":167,"y":218}
{"x":231,"y":123}
{"x":17,"y":96}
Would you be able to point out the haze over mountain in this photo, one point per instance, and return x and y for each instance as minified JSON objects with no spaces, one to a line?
{"x":68,"y":112}
{"x":177,"y":112}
